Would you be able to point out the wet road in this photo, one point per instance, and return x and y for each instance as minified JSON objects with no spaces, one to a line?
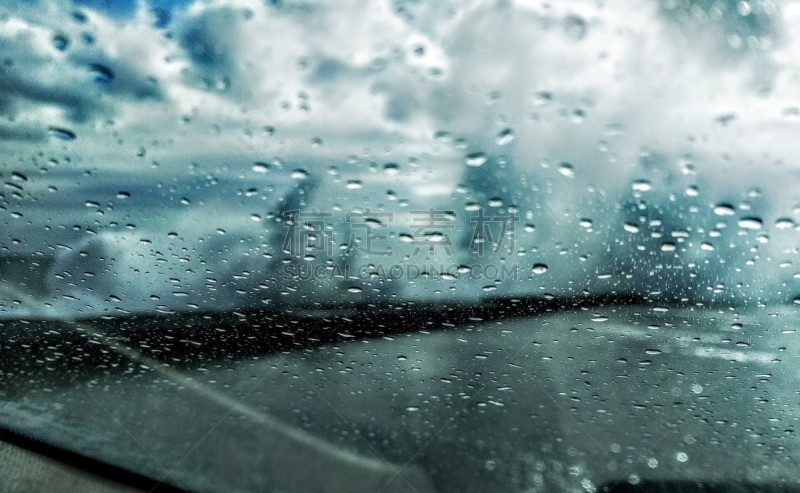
{"x":567,"y":401}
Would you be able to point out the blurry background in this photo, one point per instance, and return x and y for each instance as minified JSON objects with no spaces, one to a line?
{"x":153,"y":152}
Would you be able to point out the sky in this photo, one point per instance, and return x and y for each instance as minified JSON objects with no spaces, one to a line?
{"x":135,"y":120}
{"x":125,"y":9}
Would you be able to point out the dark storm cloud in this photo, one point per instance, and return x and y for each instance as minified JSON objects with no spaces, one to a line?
{"x":22,"y":133}
{"x":206,"y":39}
{"x":85,"y":83}
{"x":20,"y":91}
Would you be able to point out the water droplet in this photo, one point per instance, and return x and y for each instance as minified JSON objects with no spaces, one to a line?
{"x":495,"y":202}
{"x":630,"y":228}
{"x":255,"y":217}
{"x":354,"y":184}
{"x":260,"y":167}
{"x":641,"y":186}
{"x":405,"y":237}
{"x":354,"y":289}
{"x":539,"y":269}
{"x":744,"y":8}
{"x":750,"y":223}
{"x":373,"y":223}
{"x":784,"y":223}
{"x":61,"y":133}
{"x":434,"y":237}
{"x":475,"y":159}
{"x":442,"y":136}
{"x":299,"y":174}
{"x":575,"y":27}
{"x":60,"y":42}
{"x":567,"y":170}
{"x":123,"y":194}
{"x":724,"y":209}
{"x":101,"y":74}
{"x":161,"y":18}
{"x":681,"y":457}
{"x":504,"y":137}
{"x":391,"y":169}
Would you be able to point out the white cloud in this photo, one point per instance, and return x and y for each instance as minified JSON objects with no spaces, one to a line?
{"x":357,"y":82}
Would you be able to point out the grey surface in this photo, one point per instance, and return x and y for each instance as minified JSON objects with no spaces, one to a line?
{"x":22,"y":471}
{"x":566,"y":402}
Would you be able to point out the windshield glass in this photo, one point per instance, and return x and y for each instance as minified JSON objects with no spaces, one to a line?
{"x":403,"y":245}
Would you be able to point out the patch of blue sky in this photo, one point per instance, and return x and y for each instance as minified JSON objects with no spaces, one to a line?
{"x":123,"y":9}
